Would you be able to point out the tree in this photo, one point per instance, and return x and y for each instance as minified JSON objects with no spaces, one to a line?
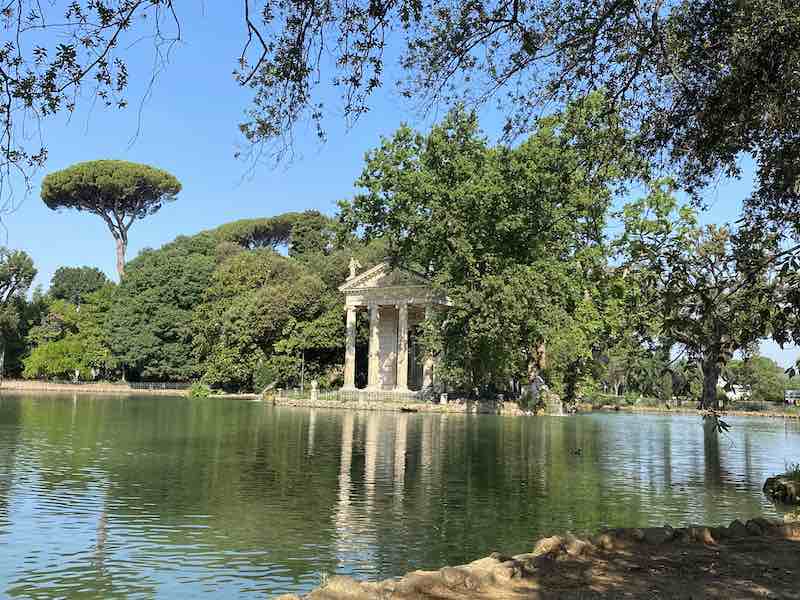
{"x":702,"y":81}
{"x":513,"y":237}
{"x":16,"y":275}
{"x":259,"y":305}
{"x":690,"y":76}
{"x":71,"y":341}
{"x":708,"y":298}
{"x":761,"y":377}
{"x":118,"y":191}
{"x":74,"y":284}
{"x":150,"y":321}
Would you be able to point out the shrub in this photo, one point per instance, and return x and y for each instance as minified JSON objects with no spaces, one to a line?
{"x":199,"y":390}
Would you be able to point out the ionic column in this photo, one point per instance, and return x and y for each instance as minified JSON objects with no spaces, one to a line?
{"x":350,"y":350}
{"x":402,"y":347}
{"x":373,"y":370}
{"x":427,"y":365}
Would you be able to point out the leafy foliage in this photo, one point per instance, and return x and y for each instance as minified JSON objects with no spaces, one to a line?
{"x":71,"y":341}
{"x":118,"y":191}
{"x":513,"y":237}
{"x":16,"y":275}
{"x":150,"y":322}
{"x":74,"y":284}
{"x":705,"y":296}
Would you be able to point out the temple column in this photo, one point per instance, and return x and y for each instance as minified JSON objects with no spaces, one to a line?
{"x":402,"y":347}
{"x":373,"y":370}
{"x":350,"y":350}
{"x":427,"y":365}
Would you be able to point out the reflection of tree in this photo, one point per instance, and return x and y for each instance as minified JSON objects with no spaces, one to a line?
{"x":715,"y":476}
{"x":10,"y":417}
{"x":233,"y":488}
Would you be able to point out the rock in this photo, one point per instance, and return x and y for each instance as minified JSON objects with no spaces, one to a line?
{"x":754,"y":528}
{"x":737,"y":529}
{"x":720,"y":533}
{"x":483,"y":565}
{"x":682,"y":535}
{"x":575,"y":546}
{"x":505,"y":572}
{"x":453,"y":576}
{"x":500,"y":557}
{"x":550,"y":545}
{"x":604,"y":541}
{"x":767,"y":524}
{"x":701,"y":534}
{"x":789,"y":531}
{"x":783,"y":488}
{"x":658,"y":535}
{"x":418,"y":583}
{"x":343,"y":586}
{"x":637,"y":534}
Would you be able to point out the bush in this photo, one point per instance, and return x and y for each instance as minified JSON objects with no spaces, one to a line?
{"x":199,"y":390}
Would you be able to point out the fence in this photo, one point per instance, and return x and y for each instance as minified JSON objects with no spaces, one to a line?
{"x":155,"y":385}
{"x":387,"y":396}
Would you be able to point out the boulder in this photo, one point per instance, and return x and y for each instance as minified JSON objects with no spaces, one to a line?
{"x":658,"y":535}
{"x":753,"y":528}
{"x":453,"y":576}
{"x":737,"y":529}
{"x":604,"y":541}
{"x":342,"y":585}
{"x":549,"y":545}
{"x":783,"y":488}
{"x":575,"y":546}
{"x":720,"y":533}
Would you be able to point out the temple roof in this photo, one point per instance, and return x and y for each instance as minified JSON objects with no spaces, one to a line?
{"x":383,"y":276}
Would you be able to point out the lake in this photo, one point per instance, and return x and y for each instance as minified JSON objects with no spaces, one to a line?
{"x":143,"y":497}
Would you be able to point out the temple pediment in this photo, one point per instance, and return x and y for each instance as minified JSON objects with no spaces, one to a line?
{"x":384,"y":276}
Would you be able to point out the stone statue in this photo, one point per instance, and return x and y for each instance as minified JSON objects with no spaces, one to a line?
{"x":354,"y":267}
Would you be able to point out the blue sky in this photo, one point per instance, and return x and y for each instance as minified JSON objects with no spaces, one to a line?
{"x":189,"y":127}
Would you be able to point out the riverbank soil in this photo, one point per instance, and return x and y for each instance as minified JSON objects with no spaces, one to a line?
{"x":720,"y":563}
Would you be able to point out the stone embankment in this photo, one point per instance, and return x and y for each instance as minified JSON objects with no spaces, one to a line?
{"x":488,"y":407}
{"x":32,"y":385}
{"x":759,"y":558}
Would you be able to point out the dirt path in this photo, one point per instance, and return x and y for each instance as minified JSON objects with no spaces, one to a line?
{"x":758,"y":560}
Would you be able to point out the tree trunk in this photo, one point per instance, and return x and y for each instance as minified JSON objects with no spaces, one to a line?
{"x":2,"y":358}
{"x":711,"y":370}
{"x":122,"y":246}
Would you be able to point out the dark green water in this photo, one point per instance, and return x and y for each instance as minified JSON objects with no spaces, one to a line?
{"x":175,"y":498}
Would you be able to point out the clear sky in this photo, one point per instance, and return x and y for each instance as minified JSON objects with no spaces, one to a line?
{"x":189,"y":127}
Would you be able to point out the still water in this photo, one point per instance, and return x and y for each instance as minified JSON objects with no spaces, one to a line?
{"x":143,"y":497}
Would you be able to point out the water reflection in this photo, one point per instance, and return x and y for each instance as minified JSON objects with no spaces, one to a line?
{"x":144,"y":497}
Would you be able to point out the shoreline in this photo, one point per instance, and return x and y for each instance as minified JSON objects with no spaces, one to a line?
{"x":508,"y":408}
{"x":758,"y":558}
{"x":21,"y":386}
{"x":775,"y":414}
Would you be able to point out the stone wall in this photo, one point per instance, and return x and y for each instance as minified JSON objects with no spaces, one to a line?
{"x":25,"y":385}
{"x":485,"y":407}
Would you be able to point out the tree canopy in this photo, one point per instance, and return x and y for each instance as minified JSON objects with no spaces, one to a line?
{"x":16,"y":275}
{"x":119,"y":192}
{"x":512,"y":236}
{"x":689,"y":279}
{"x":701,"y":81}
{"x":74,"y":284}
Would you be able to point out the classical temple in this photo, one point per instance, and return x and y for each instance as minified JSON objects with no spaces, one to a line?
{"x":396,"y":301}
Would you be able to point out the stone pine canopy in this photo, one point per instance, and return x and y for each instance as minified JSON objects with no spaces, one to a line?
{"x":396,"y":299}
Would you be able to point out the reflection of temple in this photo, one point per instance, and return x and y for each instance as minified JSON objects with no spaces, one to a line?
{"x":397,"y":301}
